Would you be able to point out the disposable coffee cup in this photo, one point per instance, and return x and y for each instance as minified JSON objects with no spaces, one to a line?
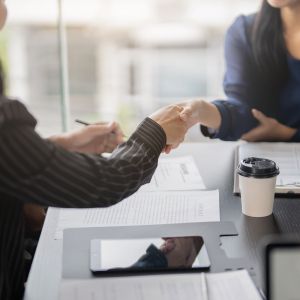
{"x":257,"y":181}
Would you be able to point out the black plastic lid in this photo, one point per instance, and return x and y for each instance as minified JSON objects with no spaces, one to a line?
{"x":257,"y":168}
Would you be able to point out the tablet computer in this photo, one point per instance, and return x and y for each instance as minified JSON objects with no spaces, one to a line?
{"x":283,"y":269}
{"x":148,"y":255}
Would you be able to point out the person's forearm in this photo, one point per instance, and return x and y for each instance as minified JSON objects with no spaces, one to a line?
{"x":209,"y":115}
{"x":50,"y":176}
{"x":60,"y":140}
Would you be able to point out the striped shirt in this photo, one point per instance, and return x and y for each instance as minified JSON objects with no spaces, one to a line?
{"x":35,"y":170}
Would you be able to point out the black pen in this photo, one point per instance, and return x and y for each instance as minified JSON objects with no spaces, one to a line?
{"x":87,"y":124}
{"x":82,"y":122}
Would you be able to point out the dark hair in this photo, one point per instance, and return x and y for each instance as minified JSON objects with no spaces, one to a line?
{"x":270,"y":52}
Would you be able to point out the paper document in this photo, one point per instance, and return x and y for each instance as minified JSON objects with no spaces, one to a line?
{"x":234,"y":285}
{"x":175,"y":174}
{"x":286,"y":156}
{"x":144,"y":208}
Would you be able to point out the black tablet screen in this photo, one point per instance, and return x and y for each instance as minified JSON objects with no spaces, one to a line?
{"x":147,"y":255}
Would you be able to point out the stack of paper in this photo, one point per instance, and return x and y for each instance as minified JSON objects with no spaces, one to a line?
{"x":287,"y":157}
{"x":234,"y":285}
{"x":146,"y":209}
{"x":174,"y":196}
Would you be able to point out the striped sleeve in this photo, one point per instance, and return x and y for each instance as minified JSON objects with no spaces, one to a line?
{"x":35,"y":170}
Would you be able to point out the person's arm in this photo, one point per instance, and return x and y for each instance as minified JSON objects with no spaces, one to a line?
{"x":229,"y":119}
{"x":239,"y":84}
{"x":38,"y":171}
{"x":270,"y":130}
{"x":94,"y":139}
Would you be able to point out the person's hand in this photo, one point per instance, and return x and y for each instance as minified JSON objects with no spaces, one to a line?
{"x":269,"y":129}
{"x":179,"y":252}
{"x":200,"y":112}
{"x":96,"y":138}
{"x":175,"y":128}
{"x":168,"y":245}
{"x":34,"y":216}
{"x":191,"y":112}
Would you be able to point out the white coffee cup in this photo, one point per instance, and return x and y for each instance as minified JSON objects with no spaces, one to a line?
{"x":257,"y":181}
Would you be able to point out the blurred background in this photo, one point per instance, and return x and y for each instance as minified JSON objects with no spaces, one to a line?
{"x":124,"y":58}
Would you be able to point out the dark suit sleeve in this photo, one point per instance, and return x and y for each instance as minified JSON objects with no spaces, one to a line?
{"x":296,"y":137}
{"x":35,"y":170}
{"x":152,"y":259}
{"x":238,"y":85}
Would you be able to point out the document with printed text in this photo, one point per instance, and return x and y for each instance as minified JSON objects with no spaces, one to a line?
{"x":286,"y":156}
{"x":175,"y":174}
{"x":146,"y":208}
{"x":234,"y":285}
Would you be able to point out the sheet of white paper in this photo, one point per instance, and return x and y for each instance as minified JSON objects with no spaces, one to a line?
{"x":146,"y":208}
{"x":287,"y":156}
{"x":175,"y":174}
{"x":235,"y":285}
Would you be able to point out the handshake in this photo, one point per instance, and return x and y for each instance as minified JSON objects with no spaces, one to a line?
{"x":175,"y":120}
{"x":101,"y":137}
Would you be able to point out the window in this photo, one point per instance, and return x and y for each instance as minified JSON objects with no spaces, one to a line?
{"x":125,"y":57}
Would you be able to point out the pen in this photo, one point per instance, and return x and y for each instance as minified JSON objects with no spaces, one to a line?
{"x":82,"y":122}
{"x":204,"y":286}
{"x":87,"y":124}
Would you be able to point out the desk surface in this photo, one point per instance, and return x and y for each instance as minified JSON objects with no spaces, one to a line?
{"x":215,"y":161}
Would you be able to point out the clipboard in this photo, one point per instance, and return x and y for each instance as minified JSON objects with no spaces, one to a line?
{"x":292,"y":191}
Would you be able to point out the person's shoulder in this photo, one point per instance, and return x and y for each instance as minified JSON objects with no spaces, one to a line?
{"x":14,"y":112}
{"x":243,"y":22}
{"x":241,"y":28}
{"x":7,"y":101}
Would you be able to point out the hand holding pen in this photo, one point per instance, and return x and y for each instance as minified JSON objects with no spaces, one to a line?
{"x":99,"y":137}
{"x":93,"y":138}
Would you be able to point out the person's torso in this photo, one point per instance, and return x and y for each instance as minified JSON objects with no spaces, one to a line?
{"x":284,"y":105}
{"x":11,"y":250}
{"x":289,"y":98}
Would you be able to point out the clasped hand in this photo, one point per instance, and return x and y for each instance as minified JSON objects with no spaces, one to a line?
{"x":175,"y":128}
